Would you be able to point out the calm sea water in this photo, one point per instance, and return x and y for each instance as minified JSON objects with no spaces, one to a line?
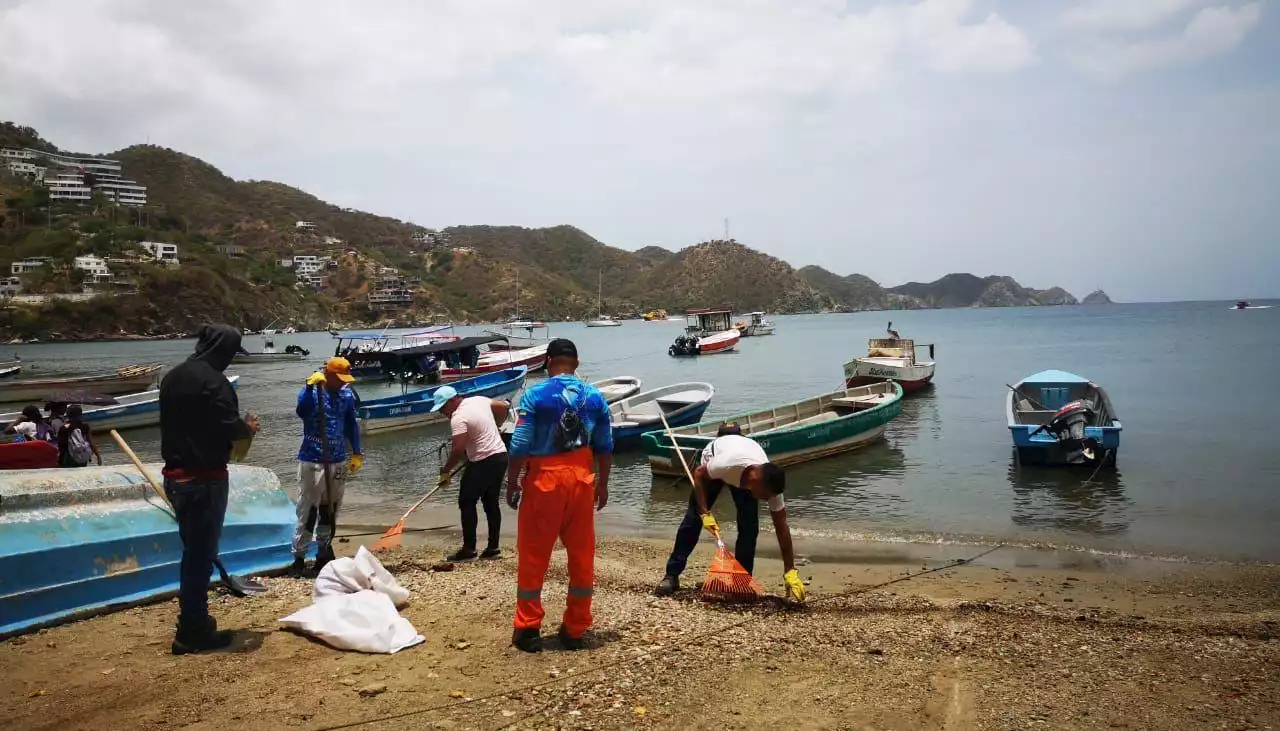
{"x":1199,"y":465}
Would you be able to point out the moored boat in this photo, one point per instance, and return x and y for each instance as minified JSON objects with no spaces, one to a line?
{"x":1059,"y":418}
{"x":512,"y":341}
{"x":654,"y":316}
{"x":618,"y":388}
{"x":601,"y":320}
{"x":131,"y":411}
{"x":79,"y":542}
{"x":680,"y":404}
{"x":125,"y":380}
{"x":535,"y":359}
{"x":755,"y":325}
{"x":362,"y":351}
{"x":891,"y":359}
{"x":268,"y":354}
{"x":7,"y":371}
{"x":816,"y":427}
{"x":706,"y":332}
{"x":413,"y":409}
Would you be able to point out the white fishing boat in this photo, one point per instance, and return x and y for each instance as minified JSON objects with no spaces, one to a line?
{"x":707,"y":331}
{"x":617,"y":388}
{"x":125,"y":380}
{"x":269,"y":354}
{"x":891,"y":359}
{"x":534,"y":358}
{"x":535,"y":334}
{"x":679,"y":404}
{"x":755,"y":325}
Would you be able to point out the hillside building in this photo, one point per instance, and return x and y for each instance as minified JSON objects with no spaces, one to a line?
{"x":74,"y":177}
{"x":390,"y":291}
{"x":30,"y":264}
{"x":95,"y":269}
{"x":231,"y":250}
{"x":166,"y":254}
{"x":9,"y":286}
{"x":305,"y":226}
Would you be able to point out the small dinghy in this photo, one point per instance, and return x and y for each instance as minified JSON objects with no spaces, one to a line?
{"x":680,"y":404}
{"x":1059,"y":418}
{"x":616,"y":389}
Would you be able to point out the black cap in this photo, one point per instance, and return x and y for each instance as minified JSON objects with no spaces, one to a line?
{"x":562,"y":347}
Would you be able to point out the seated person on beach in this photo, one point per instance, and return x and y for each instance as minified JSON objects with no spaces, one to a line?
{"x":740,"y":463}
{"x":30,"y":426}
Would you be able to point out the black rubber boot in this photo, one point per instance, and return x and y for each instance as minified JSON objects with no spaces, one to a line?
{"x":567,"y":642}
{"x":299,"y":567}
{"x":323,"y":556}
{"x":527,"y":640}
{"x":494,"y":552}
{"x":668,"y":586}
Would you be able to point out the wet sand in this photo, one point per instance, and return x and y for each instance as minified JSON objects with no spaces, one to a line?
{"x":1013,"y":640}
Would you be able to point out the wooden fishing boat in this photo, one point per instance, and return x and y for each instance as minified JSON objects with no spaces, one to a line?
{"x":816,"y":427}
{"x":362,"y":351}
{"x":755,"y":325}
{"x":131,"y":411}
{"x":680,"y":403}
{"x":891,"y":359}
{"x":618,"y":388}
{"x":125,"y":380}
{"x":413,"y":409}
{"x":79,"y":542}
{"x":7,"y":371}
{"x":1059,"y":418}
{"x":706,"y":332}
{"x":512,"y":341}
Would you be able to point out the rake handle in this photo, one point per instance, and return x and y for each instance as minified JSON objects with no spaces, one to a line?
{"x":124,"y":447}
{"x":675,"y":446}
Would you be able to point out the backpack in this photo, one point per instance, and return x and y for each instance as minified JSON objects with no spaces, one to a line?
{"x":78,"y":446}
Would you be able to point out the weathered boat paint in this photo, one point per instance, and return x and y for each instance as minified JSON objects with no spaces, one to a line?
{"x":74,"y":543}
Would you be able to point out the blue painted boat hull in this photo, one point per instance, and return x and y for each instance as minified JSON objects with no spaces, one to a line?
{"x":629,"y":437}
{"x":1052,"y":390}
{"x":79,"y":542}
{"x":413,"y":409}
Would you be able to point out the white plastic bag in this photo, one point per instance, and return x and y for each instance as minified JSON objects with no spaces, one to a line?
{"x":349,"y":575}
{"x":365,"y":621}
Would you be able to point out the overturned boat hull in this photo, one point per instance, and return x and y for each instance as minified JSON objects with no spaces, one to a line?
{"x":74,"y":543}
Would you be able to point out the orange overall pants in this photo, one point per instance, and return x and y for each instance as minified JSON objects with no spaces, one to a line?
{"x":558,"y":501}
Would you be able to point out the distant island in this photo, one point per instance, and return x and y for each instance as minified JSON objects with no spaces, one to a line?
{"x":1097,"y":297}
{"x":150,"y":242}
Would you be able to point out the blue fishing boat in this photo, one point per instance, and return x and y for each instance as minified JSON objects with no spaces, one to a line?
{"x":680,"y":404}
{"x":1060,"y":418}
{"x":79,"y":542}
{"x":134,"y":411}
{"x":413,"y":409}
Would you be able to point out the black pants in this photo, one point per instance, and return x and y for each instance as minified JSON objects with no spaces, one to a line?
{"x":200,"y":506}
{"x":482,"y":481}
{"x":691,"y":527}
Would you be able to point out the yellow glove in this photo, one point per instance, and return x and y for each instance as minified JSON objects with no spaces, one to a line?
{"x":444,"y":479}
{"x":356,"y":463}
{"x":795,"y":587}
{"x":709,"y":522}
{"x":315,"y":379}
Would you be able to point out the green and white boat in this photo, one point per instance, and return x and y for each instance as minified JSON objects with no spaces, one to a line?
{"x":817,"y":427}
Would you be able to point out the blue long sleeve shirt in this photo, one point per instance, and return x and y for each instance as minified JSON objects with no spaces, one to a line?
{"x":539,"y":411}
{"x":340,"y":422}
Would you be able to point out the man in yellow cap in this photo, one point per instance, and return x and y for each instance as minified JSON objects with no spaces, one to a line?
{"x":327,"y":407}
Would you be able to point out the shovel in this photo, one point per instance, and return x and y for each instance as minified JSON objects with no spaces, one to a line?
{"x":237,"y":585}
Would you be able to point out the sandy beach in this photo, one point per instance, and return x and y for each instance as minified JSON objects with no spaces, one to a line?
{"x":1011,"y":640}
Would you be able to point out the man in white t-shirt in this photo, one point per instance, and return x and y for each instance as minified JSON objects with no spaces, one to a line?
{"x":473,"y":422}
{"x":741,"y":464}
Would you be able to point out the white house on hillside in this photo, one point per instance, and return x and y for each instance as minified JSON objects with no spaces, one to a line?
{"x":164,"y":253}
{"x":95,"y":267}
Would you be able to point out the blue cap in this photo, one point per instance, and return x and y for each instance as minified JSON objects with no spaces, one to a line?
{"x":442,"y":397}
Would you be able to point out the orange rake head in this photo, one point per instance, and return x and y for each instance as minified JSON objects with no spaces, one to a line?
{"x":728,"y":581}
{"x":390,"y":539}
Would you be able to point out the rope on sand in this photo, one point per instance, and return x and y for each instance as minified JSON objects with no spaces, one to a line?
{"x":666,"y":651}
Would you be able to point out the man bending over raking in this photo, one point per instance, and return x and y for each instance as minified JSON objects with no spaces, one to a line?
{"x":740,"y":463}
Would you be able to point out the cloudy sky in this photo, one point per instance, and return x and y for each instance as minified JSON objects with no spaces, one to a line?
{"x":1132,"y":145}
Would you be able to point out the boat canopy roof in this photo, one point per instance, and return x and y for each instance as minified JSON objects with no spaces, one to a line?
{"x":710,"y":311}
{"x":431,"y":349}
{"x":1054,"y":376}
{"x":359,"y":336}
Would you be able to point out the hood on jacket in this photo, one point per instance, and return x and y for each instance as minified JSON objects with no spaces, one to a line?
{"x":217,"y":345}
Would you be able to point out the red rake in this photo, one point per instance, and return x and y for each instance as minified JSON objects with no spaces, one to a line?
{"x":391,"y":539}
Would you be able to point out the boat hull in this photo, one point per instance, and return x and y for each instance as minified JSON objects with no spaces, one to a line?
{"x":113,"y":385}
{"x":681,"y":404}
{"x":630,"y":436}
{"x":135,"y":411}
{"x":1052,"y":390}
{"x":866,"y":371}
{"x":79,"y":542}
{"x":252,"y":358}
{"x":787,"y":445}
{"x":534,"y":360}
{"x":414,"y":409}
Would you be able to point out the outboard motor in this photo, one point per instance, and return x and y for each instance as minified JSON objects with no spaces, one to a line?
{"x":1067,"y":426}
{"x":297,"y":349}
{"x":684,"y":345}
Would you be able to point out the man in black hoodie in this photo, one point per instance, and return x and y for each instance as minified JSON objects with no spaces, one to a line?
{"x":199,"y":418}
